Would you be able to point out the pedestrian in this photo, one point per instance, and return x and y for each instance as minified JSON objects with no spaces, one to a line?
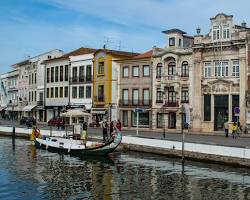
{"x":226,"y":127}
{"x":104,"y":130}
{"x":119,"y":125}
{"x":111,"y":128}
{"x":234,"y":130}
{"x":238,"y":129}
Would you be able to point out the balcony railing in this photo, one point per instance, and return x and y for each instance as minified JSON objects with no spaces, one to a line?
{"x":159,"y":101}
{"x":40,"y":103}
{"x":134,"y":103}
{"x":99,"y":98}
{"x":81,"y":79}
{"x":171,"y":104}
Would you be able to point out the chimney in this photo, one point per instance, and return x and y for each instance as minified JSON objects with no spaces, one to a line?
{"x":198,"y":30}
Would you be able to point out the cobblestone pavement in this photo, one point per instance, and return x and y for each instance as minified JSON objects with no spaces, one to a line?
{"x":216,"y":138}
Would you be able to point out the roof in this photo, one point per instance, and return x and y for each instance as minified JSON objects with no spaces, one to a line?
{"x":25,"y":62}
{"x":77,"y":52}
{"x":147,"y":54}
{"x":174,"y":30}
{"x":226,"y":16}
{"x":118,"y":53}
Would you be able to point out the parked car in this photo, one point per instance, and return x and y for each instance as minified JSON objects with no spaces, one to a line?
{"x":55,"y":121}
{"x":28,"y":121}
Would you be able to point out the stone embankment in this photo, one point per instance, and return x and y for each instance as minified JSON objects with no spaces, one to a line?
{"x":237,"y":156}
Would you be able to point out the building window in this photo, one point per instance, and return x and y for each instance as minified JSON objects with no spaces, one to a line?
{"x":160,"y":119}
{"x":184,"y":69}
{"x":52,"y":75}
{"x":159,"y":96}
{"x":74,"y":92}
{"x":81,"y":73}
{"x":66,"y":78}
{"x":207,"y":69}
{"x":236,"y":68}
{"x":125,"y":96}
{"x":226,"y":31}
{"x":47,"y":93}
{"x":89,"y":73}
{"x":100,"y":93}
{"x":184,"y":95}
{"x":143,"y":119}
{"x":61,"y":92}
{"x":207,"y":107}
{"x":88,"y":92}
{"x":32,"y":78}
{"x":66,"y":91}
{"x":216,"y":32}
{"x":146,"y":70}
{"x":29,"y":96}
{"x":135,"y":96}
{"x":135,"y":71}
{"x":158,"y":70}
{"x":35,"y":96}
{"x":125,"y":72}
{"x":48,"y":75}
{"x":221,"y":68}
{"x":146,"y":97}
{"x":29,"y":80}
{"x":52,"y":92}
{"x":74,"y":74}
{"x":61,"y":73}
{"x":56,"y":73}
{"x":101,"y":68}
{"x":171,"y":68}
{"x":125,"y":118}
{"x":81,"y":91}
{"x":172,"y":41}
{"x":56,"y":92}
{"x":171,"y":96}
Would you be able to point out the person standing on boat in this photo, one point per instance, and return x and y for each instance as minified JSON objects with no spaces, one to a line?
{"x":104,"y":130}
{"x":111,"y":128}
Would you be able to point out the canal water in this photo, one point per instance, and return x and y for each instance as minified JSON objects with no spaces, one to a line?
{"x":28,"y":173}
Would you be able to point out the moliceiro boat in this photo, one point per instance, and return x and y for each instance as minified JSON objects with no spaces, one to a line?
{"x":77,"y":147}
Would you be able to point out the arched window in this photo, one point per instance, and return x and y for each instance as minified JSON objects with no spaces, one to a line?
{"x":158,"y":70}
{"x":171,"y":68}
{"x":184,"y":69}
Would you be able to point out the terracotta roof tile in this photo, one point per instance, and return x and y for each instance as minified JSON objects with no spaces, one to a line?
{"x":147,"y":54}
{"x":118,"y":53}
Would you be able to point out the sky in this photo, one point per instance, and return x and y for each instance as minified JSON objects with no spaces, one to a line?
{"x":31,"y":27}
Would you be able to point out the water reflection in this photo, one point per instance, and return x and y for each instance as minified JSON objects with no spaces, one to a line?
{"x":28,"y":173}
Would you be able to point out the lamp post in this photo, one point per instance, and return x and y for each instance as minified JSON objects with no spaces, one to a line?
{"x":182,"y":132}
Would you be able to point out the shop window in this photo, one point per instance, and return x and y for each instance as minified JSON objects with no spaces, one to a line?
{"x":207,"y":107}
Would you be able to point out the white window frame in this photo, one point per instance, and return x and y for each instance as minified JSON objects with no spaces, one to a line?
{"x":226,"y":32}
{"x":216,"y":32}
{"x":207,"y":69}
{"x":221,"y":68}
{"x":236,"y":68}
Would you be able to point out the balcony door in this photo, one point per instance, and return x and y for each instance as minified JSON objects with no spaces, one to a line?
{"x":88,"y":73}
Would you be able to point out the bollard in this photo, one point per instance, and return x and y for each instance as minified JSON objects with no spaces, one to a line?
{"x":50,"y":131}
{"x":13,"y":136}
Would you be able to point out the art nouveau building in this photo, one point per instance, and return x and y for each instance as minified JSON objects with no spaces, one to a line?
{"x":220,"y":70}
{"x":171,"y":75}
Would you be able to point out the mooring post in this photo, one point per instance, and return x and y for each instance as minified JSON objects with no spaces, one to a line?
{"x":13,"y":135}
{"x":50,"y":131}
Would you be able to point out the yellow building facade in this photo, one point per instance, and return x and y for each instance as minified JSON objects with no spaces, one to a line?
{"x":105,"y":83}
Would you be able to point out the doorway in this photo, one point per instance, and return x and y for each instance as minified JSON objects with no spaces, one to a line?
{"x":172,"y":120}
{"x":220,"y":111}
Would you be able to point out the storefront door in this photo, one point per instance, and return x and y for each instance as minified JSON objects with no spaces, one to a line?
{"x":172,"y":120}
{"x":220,"y":111}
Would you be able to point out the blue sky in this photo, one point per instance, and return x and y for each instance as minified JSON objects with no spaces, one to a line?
{"x":30,"y":27}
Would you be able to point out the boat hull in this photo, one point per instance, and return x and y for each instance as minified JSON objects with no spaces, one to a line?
{"x":101,"y":150}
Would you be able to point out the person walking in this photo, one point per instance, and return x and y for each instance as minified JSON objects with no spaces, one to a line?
{"x":226,"y":128}
{"x":119,"y":125}
{"x":234,"y":130}
{"x":104,"y":130}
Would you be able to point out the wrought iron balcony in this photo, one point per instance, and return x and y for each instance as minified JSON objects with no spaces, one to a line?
{"x":40,"y":103}
{"x":171,"y":104}
{"x":81,"y":79}
{"x":100,"y":98}
{"x":134,"y":102}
